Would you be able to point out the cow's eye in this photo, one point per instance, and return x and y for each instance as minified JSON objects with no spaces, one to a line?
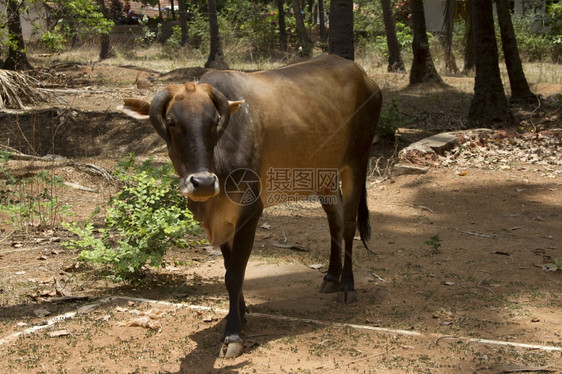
{"x":170,"y":122}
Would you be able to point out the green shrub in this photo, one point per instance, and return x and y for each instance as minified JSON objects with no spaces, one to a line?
{"x":533,"y":46}
{"x":54,"y":42}
{"x":144,"y":219}
{"x":389,"y":121}
{"x":30,"y":201}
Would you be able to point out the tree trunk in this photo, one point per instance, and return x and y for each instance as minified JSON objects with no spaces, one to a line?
{"x":423,"y":70}
{"x":173,"y":10}
{"x":322,"y":21}
{"x":520,"y":90}
{"x":282,"y":27}
{"x":216,"y":57}
{"x":17,"y":58}
{"x":305,"y":42}
{"x":340,"y":33}
{"x":448,"y":26}
{"x":183,"y":22}
{"x":395,"y":62}
{"x":489,"y":104}
{"x":106,"y":50}
{"x":468,"y":40}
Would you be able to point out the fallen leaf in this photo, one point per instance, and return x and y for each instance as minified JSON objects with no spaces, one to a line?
{"x":142,"y":322}
{"x":315,"y":266}
{"x":449,"y":283}
{"x":56,"y":334}
{"x":87,"y":308}
{"x":104,"y":318}
{"x":47,"y":293}
{"x":463,"y":173}
{"x":61,"y":289}
{"x":265,"y":226}
{"x":41,"y":312}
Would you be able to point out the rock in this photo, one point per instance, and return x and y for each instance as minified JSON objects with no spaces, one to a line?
{"x":438,"y":144}
{"x":404,"y":169}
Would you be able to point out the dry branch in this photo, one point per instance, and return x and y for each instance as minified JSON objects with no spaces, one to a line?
{"x":91,"y":169}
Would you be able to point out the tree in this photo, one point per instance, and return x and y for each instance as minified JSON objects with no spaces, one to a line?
{"x":423,"y":70}
{"x":468,"y":40}
{"x":395,"y":62}
{"x":71,"y":19}
{"x":322,"y":21}
{"x":305,"y":42}
{"x":183,"y":22}
{"x":106,"y":49}
{"x":340,"y":33}
{"x":282,"y":27}
{"x":216,"y":56}
{"x":447,"y":30}
{"x":520,"y":90}
{"x":17,"y":57}
{"x":489,"y":104}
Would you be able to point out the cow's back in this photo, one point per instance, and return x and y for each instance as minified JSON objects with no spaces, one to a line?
{"x":316,"y":114}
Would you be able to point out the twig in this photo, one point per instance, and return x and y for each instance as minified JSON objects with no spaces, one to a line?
{"x":368,"y":357}
{"x":485,"y":288}
{"x":475,"y":233}
{"x":445,"y":337}
{"x":425,"y":208}
{"x":296,"y":247}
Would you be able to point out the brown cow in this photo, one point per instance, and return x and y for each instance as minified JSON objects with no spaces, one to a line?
{"x":242,"y":142}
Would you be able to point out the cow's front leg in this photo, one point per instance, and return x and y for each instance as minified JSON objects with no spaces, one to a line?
{"x":226,"y":250}
{"x":233,"y":344}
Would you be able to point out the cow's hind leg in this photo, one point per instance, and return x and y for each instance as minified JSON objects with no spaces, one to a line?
{"x":353,"y":187}
{"x":334,"y":212}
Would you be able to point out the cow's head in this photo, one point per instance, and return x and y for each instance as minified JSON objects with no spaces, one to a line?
{"x":190,"y":118}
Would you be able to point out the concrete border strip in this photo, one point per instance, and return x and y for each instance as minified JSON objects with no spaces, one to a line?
{"x":382,"y":330}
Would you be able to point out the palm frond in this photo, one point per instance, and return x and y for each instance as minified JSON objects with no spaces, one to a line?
{"x":17,"y":90}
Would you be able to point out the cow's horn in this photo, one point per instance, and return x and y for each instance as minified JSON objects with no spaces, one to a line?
{"x":156,"y":110}
{"x":224,"y":110}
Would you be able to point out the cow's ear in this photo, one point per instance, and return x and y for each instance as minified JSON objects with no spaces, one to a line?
{"x":135,"y":108}
{"x":235,"y":105}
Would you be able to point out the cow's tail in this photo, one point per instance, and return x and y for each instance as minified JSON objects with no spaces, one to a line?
{"x":363,"y":221}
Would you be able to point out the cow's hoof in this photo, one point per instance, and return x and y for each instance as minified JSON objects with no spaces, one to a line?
{"x":347,"y":296}
{"x":232,"y":347}
{"x":329,"y":286}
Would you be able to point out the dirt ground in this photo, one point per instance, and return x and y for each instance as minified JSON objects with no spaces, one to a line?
{"x":460,"y":281}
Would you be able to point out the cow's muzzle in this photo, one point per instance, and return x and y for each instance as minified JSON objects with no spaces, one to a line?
{"x":200,"y":186}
